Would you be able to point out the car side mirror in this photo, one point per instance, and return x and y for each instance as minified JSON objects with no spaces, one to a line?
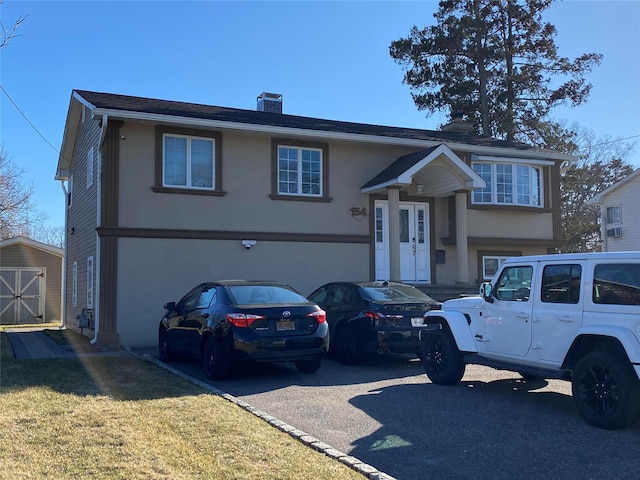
{"x":170,"y":306}
{"x":485,"y":292}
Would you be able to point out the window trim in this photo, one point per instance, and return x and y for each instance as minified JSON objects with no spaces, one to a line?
{"x":617,"y":207}
{"x":90,"y":268}
{"x":493,"y":164}
{"x":324,"y":170}
{"x":493,"y":253}
{"x":90,"y":156}
{"x":74,"y":284}
{"x":216,"y":137}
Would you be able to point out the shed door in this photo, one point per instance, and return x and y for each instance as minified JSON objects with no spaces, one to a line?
{"x":22,"y":295}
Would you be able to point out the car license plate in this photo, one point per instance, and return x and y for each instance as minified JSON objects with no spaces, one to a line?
{"x":285,"y":325}
{"x":417,"y":321}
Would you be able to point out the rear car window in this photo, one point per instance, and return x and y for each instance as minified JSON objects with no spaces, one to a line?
{"x":256,"y":294}
{"x":616,"y":284}
{"x":395,"y":293}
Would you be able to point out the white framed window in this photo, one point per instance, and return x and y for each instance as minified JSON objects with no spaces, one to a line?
{"x":299,"y":171}
{"x":508,"y":184}
{"x":490,"y":265}
{"x":614,"y":214}
{"x":90,"y":282}
{"x":188,"y":162}
{"x":74,"y":285}
{"x":70,"y":192}
{"x":90,"y":167}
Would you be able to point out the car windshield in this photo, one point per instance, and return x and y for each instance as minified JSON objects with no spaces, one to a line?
{"x":395,"y":293}
{"x":267,"y":294}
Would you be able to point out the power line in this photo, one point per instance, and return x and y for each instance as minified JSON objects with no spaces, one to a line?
{"x":29,"y":121}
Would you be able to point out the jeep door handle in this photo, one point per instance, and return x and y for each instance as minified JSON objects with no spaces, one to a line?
{"x":523,"y":315}
{"x":567,"y":318}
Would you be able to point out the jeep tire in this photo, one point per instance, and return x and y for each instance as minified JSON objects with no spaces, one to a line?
{"x":441,"y":359}
{"x":606,"y":390}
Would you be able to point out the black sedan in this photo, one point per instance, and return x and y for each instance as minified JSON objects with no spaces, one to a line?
{"x":232,"y":321}
{"x":372,"y":317}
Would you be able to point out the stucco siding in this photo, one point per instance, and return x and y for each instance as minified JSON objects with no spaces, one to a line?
{"x":156,"y":271}
{"x":506,"y":223}
{"x":246,"y":179}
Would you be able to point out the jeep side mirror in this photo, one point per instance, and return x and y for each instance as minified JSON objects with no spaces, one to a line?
{"x":170,"y":306}
{"x":485,"y":292}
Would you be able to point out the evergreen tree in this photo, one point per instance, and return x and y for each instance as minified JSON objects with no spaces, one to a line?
{"x":496,"y":61}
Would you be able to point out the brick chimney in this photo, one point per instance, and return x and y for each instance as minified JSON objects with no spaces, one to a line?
{"x":270,"y":102}
{"x":458,"y":124}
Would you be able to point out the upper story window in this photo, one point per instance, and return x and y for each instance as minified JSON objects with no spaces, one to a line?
{"x":90,"y":167}
{"x":299,"y":170}
{"x":509,"y":183}
{"x":614,"y":214}
{"x":188,"y":161}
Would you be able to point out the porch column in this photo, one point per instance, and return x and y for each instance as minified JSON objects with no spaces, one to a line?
{"x":461,"y":236}
{"x":394,"y":234}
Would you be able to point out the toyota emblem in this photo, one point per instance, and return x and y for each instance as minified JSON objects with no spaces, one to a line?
{"x":286,"y":313}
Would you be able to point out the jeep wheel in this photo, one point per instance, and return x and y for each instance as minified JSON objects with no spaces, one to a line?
{"x":441,"y":359}
{"x":606,"y":390}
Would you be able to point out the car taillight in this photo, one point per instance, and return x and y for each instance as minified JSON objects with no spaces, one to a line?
{"x":243,"y":320}
{"x":382,"y":319}
{"x":320,"y":316}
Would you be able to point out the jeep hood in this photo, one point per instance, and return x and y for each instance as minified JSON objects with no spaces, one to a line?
{"x":463,"y":303}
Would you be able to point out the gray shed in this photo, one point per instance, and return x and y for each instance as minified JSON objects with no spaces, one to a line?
{"x":30,"y":282}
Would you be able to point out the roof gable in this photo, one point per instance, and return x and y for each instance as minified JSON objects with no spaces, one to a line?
{"x":32,"y":243}
{"x":600,"y":198}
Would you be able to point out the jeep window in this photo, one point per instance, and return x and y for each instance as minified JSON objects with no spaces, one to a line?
{"x":514,"y":284}
{"x":561,"y":283}
{"x":617,"y":284}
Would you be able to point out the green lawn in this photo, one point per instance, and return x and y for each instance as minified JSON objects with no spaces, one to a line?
{"x":125,"y":418}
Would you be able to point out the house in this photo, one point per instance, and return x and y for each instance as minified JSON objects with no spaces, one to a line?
{"x":30,"y":282}
{"x":162,"y":195}
{"x":620,"y":214}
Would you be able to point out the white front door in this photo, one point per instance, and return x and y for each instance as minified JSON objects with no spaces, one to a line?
{"x":414,"y":242}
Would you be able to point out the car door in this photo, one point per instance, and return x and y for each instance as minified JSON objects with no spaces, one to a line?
{"x":508,"y":318}
{"x":558,"y":309}
{"x":178,"y":331}
{"x":196,"y":320}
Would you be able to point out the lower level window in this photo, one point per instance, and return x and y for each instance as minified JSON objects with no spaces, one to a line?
{"x":490,"y":265}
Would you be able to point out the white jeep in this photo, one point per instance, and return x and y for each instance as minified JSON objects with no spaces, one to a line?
{"x":570,"y":316}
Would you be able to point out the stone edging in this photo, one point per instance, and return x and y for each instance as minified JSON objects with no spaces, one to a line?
{"x":365,"y":469}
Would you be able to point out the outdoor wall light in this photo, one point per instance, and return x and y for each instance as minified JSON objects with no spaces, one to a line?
{"x":248,"y":243}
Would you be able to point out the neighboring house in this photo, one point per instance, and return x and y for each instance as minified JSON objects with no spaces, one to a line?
{"x":163,"y":195}
{"x":30,"y":282}
{"x":620,"y":214}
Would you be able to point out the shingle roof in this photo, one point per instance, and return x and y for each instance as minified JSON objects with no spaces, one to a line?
{"x":192,"y":110}
{"x":398,"y":167}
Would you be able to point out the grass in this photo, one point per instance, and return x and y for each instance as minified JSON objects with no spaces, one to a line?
{"x":125,"y":418}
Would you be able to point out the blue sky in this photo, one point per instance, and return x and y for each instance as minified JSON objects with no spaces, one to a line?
{"x":328,"y":59}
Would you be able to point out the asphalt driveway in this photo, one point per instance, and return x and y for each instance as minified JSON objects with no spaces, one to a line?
{"x":386,"y":413}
